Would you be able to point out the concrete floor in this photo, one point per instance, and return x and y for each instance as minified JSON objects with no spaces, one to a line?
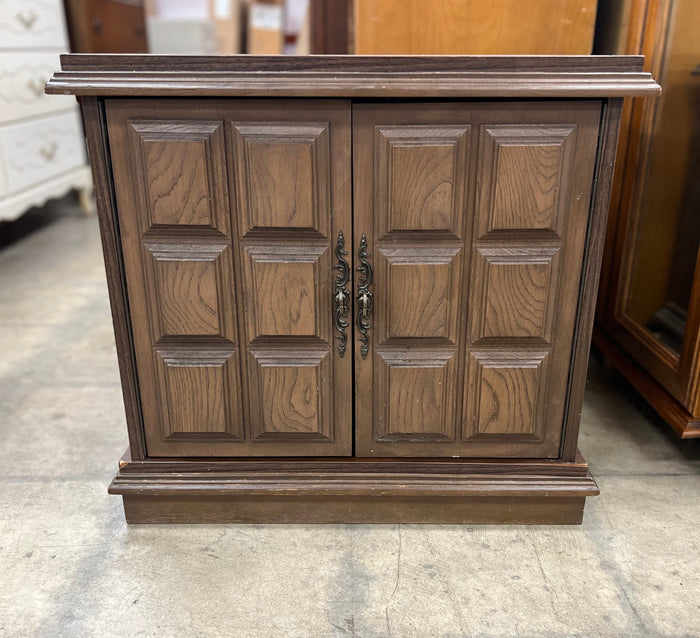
{"x":69,"y":565}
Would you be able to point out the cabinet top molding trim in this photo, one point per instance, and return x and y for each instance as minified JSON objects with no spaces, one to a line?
{"x":353,"y":76}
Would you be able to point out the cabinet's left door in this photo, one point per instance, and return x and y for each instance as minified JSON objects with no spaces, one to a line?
{"x":229,"y":214}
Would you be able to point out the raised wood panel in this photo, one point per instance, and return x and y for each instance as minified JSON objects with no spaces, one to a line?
{"x":504,"y":396}
{"x":283,"y":175}
{"x":291,"y":395}
{"x":524,"y":174}
{"x":199,"y":395}
{"x":417,"y":283}
{"x":180,"y":172}
{"x":188,"y":279}
{"x":176,"y":174}
{"x":417,"y":395}
{"x":287,"y":287}
{"x":227,"y":209}
{"x":517,"y":284}
{"x":423,"y":167}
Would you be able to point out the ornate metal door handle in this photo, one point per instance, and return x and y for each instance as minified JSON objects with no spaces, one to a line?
{"x":341,"y":297}
{"x":365,"y":302}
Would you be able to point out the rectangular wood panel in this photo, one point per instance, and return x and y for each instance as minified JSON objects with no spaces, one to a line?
{"x":199,"y":393}
{"x":524,"y":176}
{"x":186,"y":282}
{"x":282,"y":175}
{"x":476,"y":217}
{"x":507,"y":395}
{"x":177,"y":173}
{"x":228,"y":211}
{"x":514,"y":291}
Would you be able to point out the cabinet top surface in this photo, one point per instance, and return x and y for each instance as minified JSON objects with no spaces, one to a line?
{"x":353,"y":76}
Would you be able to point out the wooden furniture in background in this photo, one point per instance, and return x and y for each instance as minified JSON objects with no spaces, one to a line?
{"x":648,"y":317}
{"x":403,"y":340}
{"x":226,"y":16}
{"x":330,"y":26}
{"x":42,"y":152}
{"x":265,"y":27}
{"x":534,"y":27}
{"x":106,"y":26}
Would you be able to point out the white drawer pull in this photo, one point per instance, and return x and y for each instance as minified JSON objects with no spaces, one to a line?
{"x":27,"y":18}
{"x":36,"y":86}
{"x":48,"y":151}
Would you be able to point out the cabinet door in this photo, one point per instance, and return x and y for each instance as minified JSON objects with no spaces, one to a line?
{"x":228,"y":213}
{"x":475,"y":216}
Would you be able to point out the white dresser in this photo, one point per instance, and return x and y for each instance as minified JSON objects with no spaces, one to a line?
{"x":42,"y":150}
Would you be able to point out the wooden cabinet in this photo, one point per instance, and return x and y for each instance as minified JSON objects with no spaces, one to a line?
{"x":106,"y":26}
{"x":340,"y":307}
{"x":648,"y":317}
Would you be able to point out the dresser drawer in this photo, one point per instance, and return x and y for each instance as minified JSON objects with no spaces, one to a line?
{"x":40,"y":149}
{"x":22,"y":88}
{"x":32,"y":24}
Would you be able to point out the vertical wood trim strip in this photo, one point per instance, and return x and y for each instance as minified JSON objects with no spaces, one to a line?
{"x":595,"y":241}
{"x":98,"y":152}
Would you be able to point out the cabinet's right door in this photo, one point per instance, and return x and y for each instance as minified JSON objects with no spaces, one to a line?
{"x":475,"y":216}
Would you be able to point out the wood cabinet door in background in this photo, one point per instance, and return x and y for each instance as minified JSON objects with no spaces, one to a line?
{"x":476,"y":217}
{"x":229,"y":212}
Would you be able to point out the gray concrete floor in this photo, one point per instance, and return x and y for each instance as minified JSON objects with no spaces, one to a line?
{"x":69,"y":565}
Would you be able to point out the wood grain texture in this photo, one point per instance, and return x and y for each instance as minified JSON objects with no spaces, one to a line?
{"x":539,"y":27}
{"x":525,"y":169}
{"x":178,"y":177}
{"x":517,"y":287}
{"x":684,"y":424}
{"x":267,"y":394}
{"x":642,"y":261}
{"x":405,"y":388}
{"x":200,"y":396}
{"x":105,"y":198}
{"x":480,"y":510}
{"x":353,"y":490}
{"x":286,"y":295}
{"x":283,"y":175}
{"x":416,"y":283}
{"x":184,"y":283}
{"x":414,"y":399}
{"x":500,"y":304}
{"x":544,"y":255}
{"x":506,"y":394}
{"x":205,"y":282}
{"x":422,"y":164}
{"x":291,"y":395}
{"x":353,"y":76}
{"x":595,"y":239}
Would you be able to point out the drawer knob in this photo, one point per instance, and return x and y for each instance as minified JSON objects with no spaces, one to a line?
{"x":27,"y":18}
{"x":365,"y":302}
{"x":36,"y":86}
{"x":48,"y":151}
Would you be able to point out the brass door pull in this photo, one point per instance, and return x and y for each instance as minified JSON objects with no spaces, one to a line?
{"x":341,"y":297}
{"x":365,"y":302}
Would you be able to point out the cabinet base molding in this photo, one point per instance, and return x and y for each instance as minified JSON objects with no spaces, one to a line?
{"x":354,"y":491}
{"x":668,"y":408}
